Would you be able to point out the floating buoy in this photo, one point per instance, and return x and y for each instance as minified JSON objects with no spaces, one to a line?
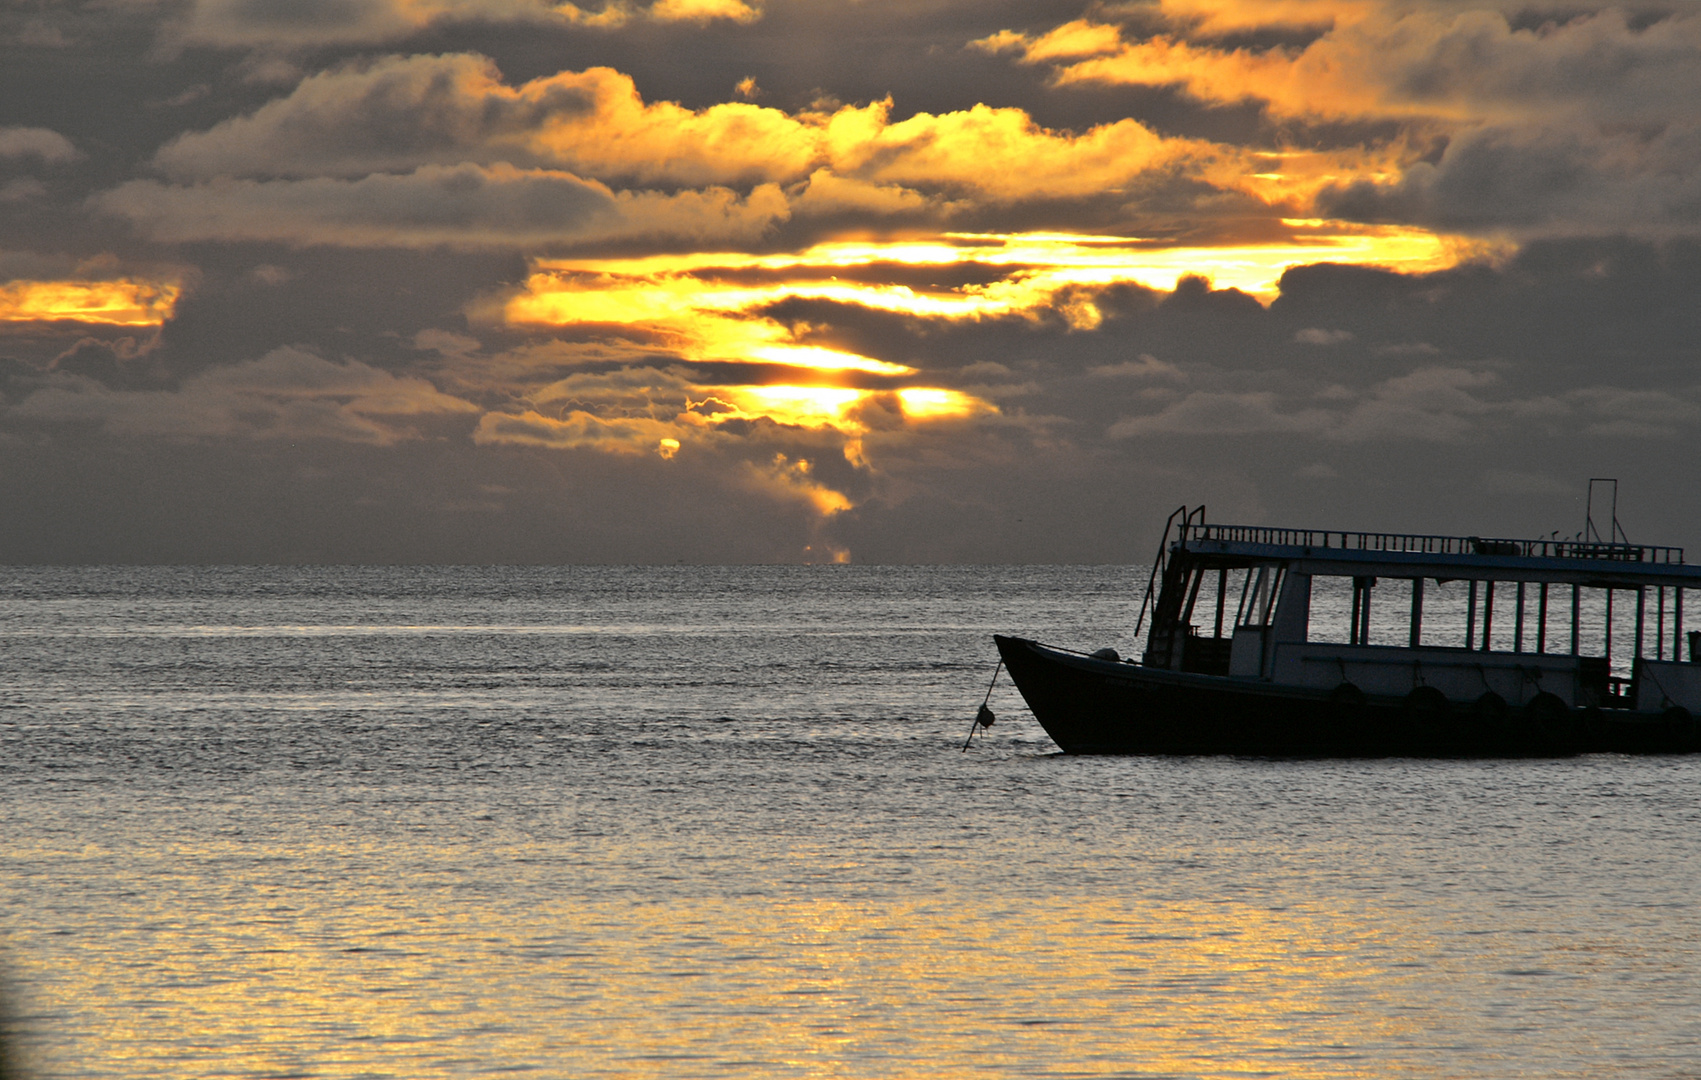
{"x":984,"y":718}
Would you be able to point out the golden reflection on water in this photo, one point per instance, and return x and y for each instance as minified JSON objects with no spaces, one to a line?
{"x":359,"y":940}
{"x":360,"y":959}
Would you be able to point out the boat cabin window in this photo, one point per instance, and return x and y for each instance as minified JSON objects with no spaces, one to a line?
{"x":1215,"y":600}
{"x":1205,"y":609}
{"x":1504,"y":616}
{"x":1379,"y":611}
{"x":1258,"y":596}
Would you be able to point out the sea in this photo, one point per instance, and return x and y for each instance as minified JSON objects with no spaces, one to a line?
{"x":423,"y":822}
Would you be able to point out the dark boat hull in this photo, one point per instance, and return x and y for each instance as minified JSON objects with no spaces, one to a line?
{"x":1094,"y":706}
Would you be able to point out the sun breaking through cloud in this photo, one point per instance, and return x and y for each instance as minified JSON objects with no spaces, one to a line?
{"x":122,"y":302}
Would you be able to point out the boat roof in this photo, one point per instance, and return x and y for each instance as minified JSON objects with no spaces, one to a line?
{"x":1332,"y":552}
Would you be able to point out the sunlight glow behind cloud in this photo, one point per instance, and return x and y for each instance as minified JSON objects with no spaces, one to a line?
{"x":124,"y":302}
{"x":721,"y":308}
{"x":1037,"y":267}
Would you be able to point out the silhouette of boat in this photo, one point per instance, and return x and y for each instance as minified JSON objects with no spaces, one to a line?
{"x":1233,"y":663}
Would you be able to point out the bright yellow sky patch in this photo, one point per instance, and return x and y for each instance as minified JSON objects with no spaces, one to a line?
{"x":684,"y":290}
{"x":805,"y":406}
{"x":836,"y":406}
{"x":712,"y":306}
{"x":124,"y":302}
{"x":933,"y":403}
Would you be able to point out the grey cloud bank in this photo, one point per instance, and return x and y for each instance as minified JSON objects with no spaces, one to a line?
{"x":259,"y":280}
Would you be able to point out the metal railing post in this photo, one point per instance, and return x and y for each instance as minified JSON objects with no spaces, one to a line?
{"x":1471,"y":617}
{"x":1417,"y":611}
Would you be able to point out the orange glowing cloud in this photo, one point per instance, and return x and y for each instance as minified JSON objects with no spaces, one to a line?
{"x":998,"y":153}
{"x":1327,"y":82}
{"x":121,"y":302}
{"x":1489,"y":122}
{"x":709,"y":317}
{"x":638,"y":412}
{"x":1386,"y":60}
{"x":620,"y":135}
{"x":792,"y":479}
{"x":579,"y":157}
{"x":711,"y":307}
{"x":579,"y":430}
{"x":783,"y":476}
{"x":838,"y":408}
{"x":699,"y":322}
{"x":642,"y":411}
{"x":1231,"y":16}
{"x":1324,"y":81}
{"x":456,"y":110}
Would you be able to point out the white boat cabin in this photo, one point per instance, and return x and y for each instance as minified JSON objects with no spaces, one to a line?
{"x":1595,"y":624}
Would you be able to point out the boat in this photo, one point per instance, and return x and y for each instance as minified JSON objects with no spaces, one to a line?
{"x":1237,"y":659}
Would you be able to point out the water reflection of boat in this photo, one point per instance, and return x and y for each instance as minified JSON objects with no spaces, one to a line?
{"x":1233,"y":663}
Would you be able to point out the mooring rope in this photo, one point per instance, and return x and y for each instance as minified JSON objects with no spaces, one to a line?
{"x":984,"y":717}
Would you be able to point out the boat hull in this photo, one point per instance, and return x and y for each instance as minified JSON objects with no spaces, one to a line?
{"x":1099,"y":706}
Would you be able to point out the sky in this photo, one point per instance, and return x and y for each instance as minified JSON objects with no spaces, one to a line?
{"x":867,"y":281}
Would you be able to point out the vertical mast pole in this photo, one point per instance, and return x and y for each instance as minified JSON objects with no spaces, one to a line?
{"x":1576,"y":617}
{"x":1471,"y":617}
{"x":1541,"y":620}
{"x":1678,"y":623}
{"x":1487,"y":613}
{"x":1518,"y":629}
{"x":1364,"y":613}
{"x":1641,"y":610}
{"x":1609,"y":631}
{"x":1222,"y":594}
{"x":1358,"y":598}
{"x":1660,"y":624}
{"x":1417,"y":611}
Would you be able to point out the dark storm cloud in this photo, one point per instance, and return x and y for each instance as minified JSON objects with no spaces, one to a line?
{"x":393,"y":113}
{"x":460,"y":206}
{"x":286,"y":394}
{"x":296,"y":24}
{"x":1603,"y":181}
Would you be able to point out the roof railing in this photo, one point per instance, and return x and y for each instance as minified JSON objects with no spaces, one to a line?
{"x":1418,"y":543}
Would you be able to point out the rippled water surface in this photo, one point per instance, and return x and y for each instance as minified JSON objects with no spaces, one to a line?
{"x":715,"y":822}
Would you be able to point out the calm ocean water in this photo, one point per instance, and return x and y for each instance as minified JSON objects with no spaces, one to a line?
{"x":688,"y":822}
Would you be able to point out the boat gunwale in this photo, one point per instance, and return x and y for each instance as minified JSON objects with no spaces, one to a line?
{"x":1133,"y":671}
{"x":1122,"y":666}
